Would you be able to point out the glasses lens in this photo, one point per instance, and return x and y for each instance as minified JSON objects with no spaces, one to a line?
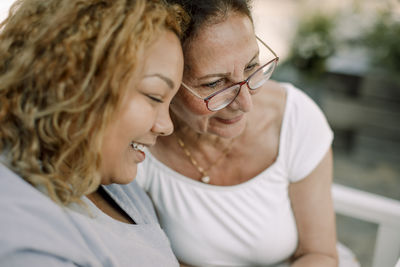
{"x":261,"y":76}
{"x":224,"y":98}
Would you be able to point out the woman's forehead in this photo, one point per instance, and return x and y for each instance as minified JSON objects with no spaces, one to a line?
{"x":236,"y":25}
{"x":209,"y":54}
{"x":233,"y":32}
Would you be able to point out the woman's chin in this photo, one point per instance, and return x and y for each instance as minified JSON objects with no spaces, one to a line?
{"x":230,"y":130}
{"x":126,"y":177}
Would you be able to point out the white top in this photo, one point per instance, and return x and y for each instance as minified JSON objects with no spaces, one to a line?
{"x":35,"y":231}
{"x":247,"y":224}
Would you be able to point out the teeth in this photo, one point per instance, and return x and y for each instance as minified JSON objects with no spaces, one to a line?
{"x":137,"y":146}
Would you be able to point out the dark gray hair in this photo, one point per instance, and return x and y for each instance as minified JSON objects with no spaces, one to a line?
{"x":208,"y":12}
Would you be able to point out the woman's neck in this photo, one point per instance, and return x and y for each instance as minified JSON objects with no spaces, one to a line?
{"x":106,"y":204}
{"x":198,"y":140}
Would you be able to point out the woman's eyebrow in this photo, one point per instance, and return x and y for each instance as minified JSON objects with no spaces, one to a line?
{"x":226,"y":74}
{"x":167,"y":80}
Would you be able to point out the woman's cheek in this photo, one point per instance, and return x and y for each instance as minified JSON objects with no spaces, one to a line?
{"x":140,"y":117}
{"x":190,"y":102}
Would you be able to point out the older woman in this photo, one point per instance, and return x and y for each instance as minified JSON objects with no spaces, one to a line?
{"x":84,"y":86}
{"x":245,"y":178}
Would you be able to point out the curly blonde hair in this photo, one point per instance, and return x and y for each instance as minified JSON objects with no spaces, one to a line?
{"x":64,"y":65}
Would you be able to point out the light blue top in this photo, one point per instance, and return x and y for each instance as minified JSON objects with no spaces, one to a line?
{"x":35,"y":231}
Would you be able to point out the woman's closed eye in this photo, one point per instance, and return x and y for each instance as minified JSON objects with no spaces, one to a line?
{"x":154,"y":98}
{"x":252,"y":67}
{"x":218,"y":84}
{"x":214,"y":84}
{"x":154,"y":89}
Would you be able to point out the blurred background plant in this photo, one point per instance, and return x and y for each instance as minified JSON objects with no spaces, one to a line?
{"x":320,"y":36}
{"x":383,"y":41}
{"x":313,"y":43}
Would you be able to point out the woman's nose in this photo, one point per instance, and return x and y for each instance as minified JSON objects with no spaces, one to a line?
{"x":163,"y":124}
{"x":243,"y":101}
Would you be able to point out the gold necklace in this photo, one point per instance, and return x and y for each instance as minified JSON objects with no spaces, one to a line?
{"x":205,"y":178}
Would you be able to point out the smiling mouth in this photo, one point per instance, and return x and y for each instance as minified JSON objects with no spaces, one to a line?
{"x":230,"y":121}
{"x":137,"y":146}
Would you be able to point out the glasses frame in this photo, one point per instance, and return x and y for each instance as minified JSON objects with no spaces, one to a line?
{"x":246,"y":81}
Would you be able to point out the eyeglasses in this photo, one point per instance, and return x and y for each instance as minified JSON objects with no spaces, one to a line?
{"x":224,"y":97}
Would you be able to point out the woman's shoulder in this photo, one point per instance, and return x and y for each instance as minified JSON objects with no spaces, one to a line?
{"x":31,"y":220}
{"x":22,"y":205}
{"x":271,"y":97}
{"x":286,"y":100}
{"x":269,"y":106}
{"x":274,"y":92}
{"x":18,"y":194}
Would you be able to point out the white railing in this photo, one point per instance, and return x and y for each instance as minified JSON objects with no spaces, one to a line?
{"x":376,"y":209}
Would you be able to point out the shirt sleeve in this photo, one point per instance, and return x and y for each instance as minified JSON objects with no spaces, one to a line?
{"x":309,"y":136}
{"x":33,"y":259}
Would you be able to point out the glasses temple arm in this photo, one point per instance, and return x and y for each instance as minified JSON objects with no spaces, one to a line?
{"x":191,"y":90}
{"x":269,"y":48}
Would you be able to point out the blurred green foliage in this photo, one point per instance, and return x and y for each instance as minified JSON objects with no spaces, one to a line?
{"x":317,"y":39}
{"x":313,"y":43}
{"x":383,"y":42}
